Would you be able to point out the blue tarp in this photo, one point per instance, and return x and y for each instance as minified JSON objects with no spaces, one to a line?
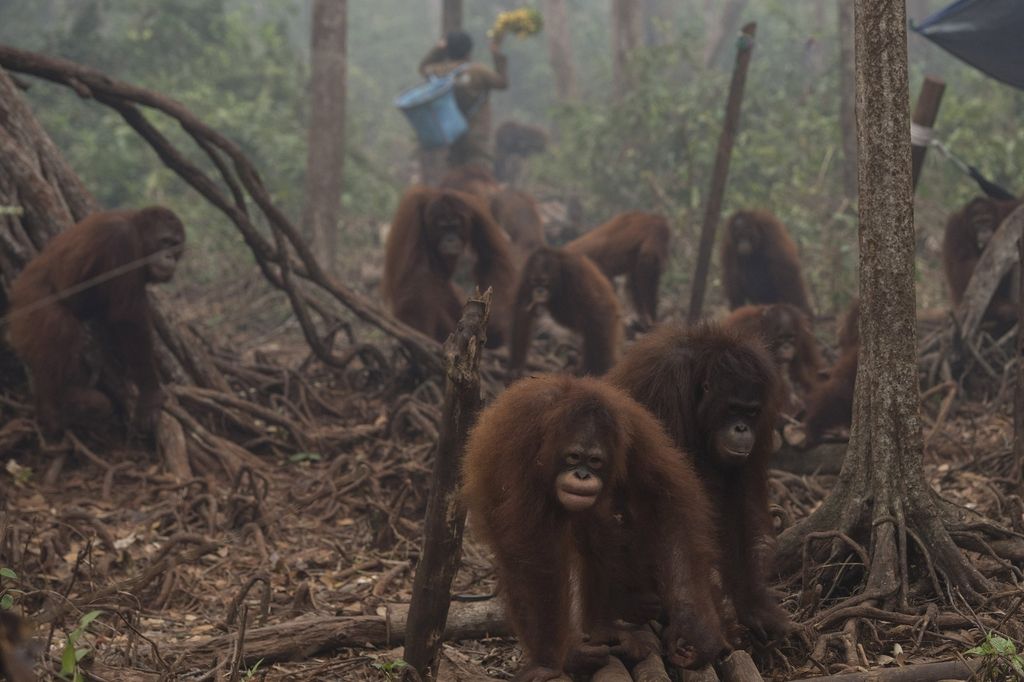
{"x":987,"y":34}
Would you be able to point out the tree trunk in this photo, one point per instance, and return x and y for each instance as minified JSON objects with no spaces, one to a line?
{"x":721,"y":34}
{"x":40,"y":193}
{"x":556,"y":26}
{"x":660,"y":21}
{"x":625,"y":38}
{"x":847,"y":116}
{"x":451,"y":16}
{"x":326,"y":153}
{"x":881,"y":499}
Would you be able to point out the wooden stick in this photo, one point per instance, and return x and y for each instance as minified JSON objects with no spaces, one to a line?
{"x":925,"y":112}
{"x":442,"y":541}
{"x":721,"y":171}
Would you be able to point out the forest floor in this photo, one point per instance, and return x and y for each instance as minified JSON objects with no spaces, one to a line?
{"x":336,"y":533}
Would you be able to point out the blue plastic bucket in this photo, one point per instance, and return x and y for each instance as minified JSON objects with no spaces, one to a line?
{"x":433,"y":112}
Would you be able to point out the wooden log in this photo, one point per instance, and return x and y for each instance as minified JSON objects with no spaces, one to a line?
{"x":310,"y":635}
{"x":651,"y":669}
{"x":466,"y":620}
{"x":99,"y":671}
{"x":615,"y":671}
{"x":292,"y":640}
{"x":926,"y":110}
{"x":721,"y":170}
{"x":926,"y":672}
{"x":446,"y":517}
{"x":705,"y":674}
{"x":738,"y":667}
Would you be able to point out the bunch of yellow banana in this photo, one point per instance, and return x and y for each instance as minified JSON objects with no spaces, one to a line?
{"x":525,"y":21}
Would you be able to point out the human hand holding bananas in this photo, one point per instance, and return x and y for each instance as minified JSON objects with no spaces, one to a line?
{"x":523,"y":22}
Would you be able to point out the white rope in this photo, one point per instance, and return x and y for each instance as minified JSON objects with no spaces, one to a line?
{"x":957,"y":161}
{"x":921,"y":136}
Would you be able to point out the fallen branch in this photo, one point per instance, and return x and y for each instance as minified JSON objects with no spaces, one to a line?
{"x":926,"y":672}
{"x":307,"y":636}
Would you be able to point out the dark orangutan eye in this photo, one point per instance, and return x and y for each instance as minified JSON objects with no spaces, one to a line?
{"x":573,"y":458}
{"x":595,"y":462}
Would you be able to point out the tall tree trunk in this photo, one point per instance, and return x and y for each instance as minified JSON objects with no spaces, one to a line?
{"x":451,"y":17}
{"x":556,"y":25}
{"x":326,"y":154}
{"x":722,"y":34}
{"x":435,"y":13}
{"x":847,"y":122}
{"x":881,"y":499}
{"x":625,"y":39}
{"x":659,"y":17}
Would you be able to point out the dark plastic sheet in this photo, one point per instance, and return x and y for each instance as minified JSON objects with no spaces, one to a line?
{"x":987,"y":34}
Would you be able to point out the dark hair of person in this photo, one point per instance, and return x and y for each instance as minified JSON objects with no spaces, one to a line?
{"x":459,"y":45}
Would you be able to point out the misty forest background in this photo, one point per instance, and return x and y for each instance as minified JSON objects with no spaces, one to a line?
{"x":243,"y":66}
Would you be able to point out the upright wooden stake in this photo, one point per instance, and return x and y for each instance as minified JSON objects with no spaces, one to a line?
{"x":721,"y":171}
{"x":925,"y":112}
{"x":442,"y":541}
{"x":1018,"y":394}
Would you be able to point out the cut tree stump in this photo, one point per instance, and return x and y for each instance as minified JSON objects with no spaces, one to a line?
{"x":615,"y":671}
{"x":651,"y":669}
{"x":739,"y":667}
{"x":705,"y":674}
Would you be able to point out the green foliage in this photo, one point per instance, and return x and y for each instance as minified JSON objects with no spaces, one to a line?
{"x":300,"y":457}
{"x":1001,"y":658}
{"x":73,"y":653}
{"x":392,"y":670}
{"x":250,"y":673}
{"x":7,"y":593}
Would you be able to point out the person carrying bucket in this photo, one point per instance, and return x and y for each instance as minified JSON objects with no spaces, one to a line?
{"x":473,"y":83}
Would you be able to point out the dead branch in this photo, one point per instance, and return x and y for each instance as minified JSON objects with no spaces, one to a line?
{"x":442,"y":541}
{"x":307,"y":636}
{"x":927,"y":672}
